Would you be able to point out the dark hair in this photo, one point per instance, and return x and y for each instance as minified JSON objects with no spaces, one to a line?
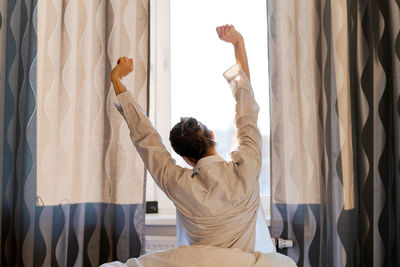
{"x":191,"y":138}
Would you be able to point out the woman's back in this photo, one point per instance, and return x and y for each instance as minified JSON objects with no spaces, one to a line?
{"x":218,"y":206}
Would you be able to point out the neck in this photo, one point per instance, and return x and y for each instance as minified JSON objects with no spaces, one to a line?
{"x":192,"y":162}
{"x":210,"y":152}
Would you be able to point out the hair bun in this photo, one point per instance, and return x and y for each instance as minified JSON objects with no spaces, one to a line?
{"x":190,"y":138}
{"x":190,"y":126}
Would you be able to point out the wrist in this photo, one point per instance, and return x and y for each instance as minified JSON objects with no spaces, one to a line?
{"x":238,"y":43}
{"x":119,"y":87}
{"x":115,"y":77}
{"x":119,"y":91}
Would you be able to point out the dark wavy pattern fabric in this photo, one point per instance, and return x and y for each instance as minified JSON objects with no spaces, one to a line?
{"x":336,"y":189}
{"x":30,"y":235}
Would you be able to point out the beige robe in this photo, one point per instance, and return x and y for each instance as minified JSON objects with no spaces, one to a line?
{"x":217,"y":201}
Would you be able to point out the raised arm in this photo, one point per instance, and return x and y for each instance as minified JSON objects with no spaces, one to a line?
{"x":248,"y":153}
{"x":229,"y":34}
{"x":147,"y":141}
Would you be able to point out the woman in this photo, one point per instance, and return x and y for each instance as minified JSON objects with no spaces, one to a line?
{"x":217,"y":202}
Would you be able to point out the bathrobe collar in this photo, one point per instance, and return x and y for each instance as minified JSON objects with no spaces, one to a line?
{"x":206,"y":161}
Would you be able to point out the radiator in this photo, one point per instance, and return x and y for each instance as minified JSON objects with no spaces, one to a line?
{"x":155,"y":242}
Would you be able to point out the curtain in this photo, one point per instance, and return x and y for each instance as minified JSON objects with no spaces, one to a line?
{"x":335,"y":140}
{"x":71,"y":182}
{"x":81,"y":137}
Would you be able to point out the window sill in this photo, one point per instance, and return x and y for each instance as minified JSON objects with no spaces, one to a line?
{"x":160,"y":219}
{"x":170,"y":219}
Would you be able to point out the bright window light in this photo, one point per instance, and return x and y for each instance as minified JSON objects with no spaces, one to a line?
{"x":198,"y":59}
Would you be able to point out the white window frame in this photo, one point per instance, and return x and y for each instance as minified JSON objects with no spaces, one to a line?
{"x":160,"y":106}
{"x":160,"y":90}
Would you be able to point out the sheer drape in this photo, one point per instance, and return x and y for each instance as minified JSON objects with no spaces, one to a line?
{"x":82,"y":138}
{"x":335,"y":140}
{"x":69,"y":59}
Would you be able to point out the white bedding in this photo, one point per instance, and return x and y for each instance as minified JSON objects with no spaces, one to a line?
{"x":200,"y":255}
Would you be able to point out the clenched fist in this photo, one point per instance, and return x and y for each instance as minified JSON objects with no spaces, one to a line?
{"x":228,"y":34}
{"x":123,"y":68}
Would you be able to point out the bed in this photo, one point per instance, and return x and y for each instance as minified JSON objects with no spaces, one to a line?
{"x":201,"y":255}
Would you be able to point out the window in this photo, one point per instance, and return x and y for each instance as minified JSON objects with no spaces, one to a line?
{"x":193,"y":65}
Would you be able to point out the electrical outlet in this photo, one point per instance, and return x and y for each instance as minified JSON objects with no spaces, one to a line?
{"x":283,"y":243}
{"x":151,"y":207}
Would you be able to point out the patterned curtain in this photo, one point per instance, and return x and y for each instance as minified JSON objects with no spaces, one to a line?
{"x":71,"y":182}
{"x":335,"y":130}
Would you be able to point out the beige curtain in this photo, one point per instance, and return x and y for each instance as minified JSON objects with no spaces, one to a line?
{"x":84,"y":153}
{"x":310,"y":62}
{"x":311,"y":138}
{"x":335,"y":116}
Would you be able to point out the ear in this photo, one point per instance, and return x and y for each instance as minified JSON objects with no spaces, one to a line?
{"x":212,"y":134}
{"x":191,"y":161}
